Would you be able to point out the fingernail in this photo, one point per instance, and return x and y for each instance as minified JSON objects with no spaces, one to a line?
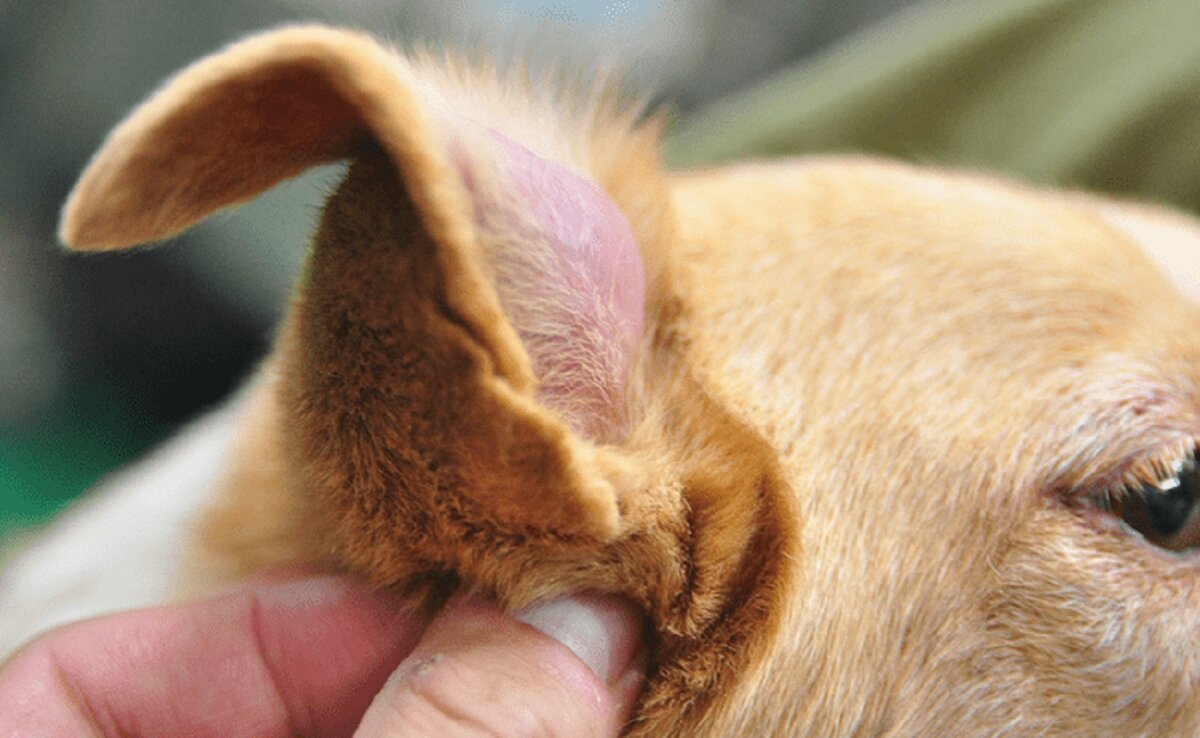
{"x":604,"y":632}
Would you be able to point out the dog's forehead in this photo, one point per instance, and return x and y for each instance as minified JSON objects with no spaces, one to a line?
{"x":871,"y":248}
{"x":921,"y":307}
{"x":976,"y":226}
{"x":1030,"y":285}
{"x":1000,"y":253}
{"x":937,"y":358}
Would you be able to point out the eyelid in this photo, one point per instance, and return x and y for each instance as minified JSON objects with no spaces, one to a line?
{"x":1147,"y":467}
{"x":1129,"y":500}
{"x":1156,"y":471}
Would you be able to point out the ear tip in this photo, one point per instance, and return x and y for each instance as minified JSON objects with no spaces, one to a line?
{"x":69,"y":232}
{"x":81,"y":229}
{"x":74,"y":231}
{"x":97,"y":215}
{"x":118,"y":201}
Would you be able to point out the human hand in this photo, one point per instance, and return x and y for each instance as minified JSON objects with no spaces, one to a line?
{"x":313,"y":657}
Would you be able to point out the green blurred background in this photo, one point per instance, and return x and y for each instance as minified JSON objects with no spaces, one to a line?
{"x":100,"y":357}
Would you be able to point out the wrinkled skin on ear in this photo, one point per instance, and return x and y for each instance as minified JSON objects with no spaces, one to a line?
{"x":482,"y":376}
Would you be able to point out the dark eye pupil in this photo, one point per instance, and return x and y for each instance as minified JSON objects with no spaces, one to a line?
{"x":1160,"y":512}
{"x":1169,"y":509}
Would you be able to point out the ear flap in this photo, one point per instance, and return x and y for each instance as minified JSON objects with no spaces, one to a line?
{"x":471,"y":310}
{"x":230,"y":127}
{"x":265,"y":109}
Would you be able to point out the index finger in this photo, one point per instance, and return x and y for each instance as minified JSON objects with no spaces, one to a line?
{"x":300,"y":657}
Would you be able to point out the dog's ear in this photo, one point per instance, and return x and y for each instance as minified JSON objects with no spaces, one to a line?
{"x":512,"y":293}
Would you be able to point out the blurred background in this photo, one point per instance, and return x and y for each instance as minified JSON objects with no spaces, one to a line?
{"x":102,"y":356}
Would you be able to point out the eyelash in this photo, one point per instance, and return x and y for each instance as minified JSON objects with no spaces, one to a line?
{"x":1157,"y":500}
{"x":1138,"y":476}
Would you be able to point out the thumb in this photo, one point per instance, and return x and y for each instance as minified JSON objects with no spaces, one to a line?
{"x":567,"y":667}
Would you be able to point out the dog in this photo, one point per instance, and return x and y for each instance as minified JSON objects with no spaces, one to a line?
{"x":879,"y":449}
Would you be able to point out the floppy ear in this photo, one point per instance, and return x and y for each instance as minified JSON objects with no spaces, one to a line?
{"x":231,"y":126}
{"x":238,"y":122}
{"x":467,"y":324}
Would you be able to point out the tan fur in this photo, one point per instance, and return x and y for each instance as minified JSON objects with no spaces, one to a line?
{"x":845,"y":482}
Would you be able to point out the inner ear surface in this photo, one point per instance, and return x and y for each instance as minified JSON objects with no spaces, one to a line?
{"x":399,"y":423}
{"x":566,"y":267}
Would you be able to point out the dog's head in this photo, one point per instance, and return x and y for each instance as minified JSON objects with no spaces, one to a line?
{"x":878,"y":450}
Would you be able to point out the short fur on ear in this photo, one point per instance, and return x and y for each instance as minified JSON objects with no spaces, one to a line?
{"x":205,"y":141}
{"x":268,"y":108}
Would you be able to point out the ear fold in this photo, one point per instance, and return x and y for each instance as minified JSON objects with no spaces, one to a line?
{"x":558,"y":252}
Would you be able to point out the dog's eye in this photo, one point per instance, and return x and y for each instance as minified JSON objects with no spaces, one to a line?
{"x":1164,"y":512}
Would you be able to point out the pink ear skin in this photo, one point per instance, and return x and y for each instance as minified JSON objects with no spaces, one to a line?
{"x":568,"y":272}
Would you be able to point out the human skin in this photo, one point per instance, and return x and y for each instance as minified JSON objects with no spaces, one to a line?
{"x":312,"y":656}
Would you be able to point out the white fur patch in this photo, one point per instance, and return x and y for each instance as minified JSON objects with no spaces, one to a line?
{"x":120,"y":547}
{"x":1171,"y":239}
